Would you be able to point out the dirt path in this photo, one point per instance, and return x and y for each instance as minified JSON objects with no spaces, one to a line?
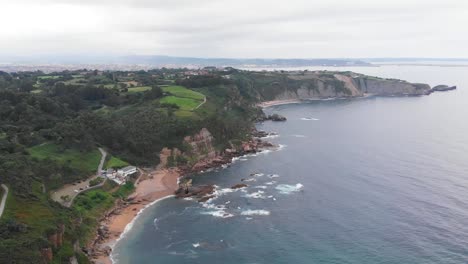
{"x":204,"y":101}
{"x":72,"y":190}
{"x":4,"y":198}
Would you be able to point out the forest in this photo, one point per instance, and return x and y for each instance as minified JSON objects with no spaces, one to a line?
{"x":51,"y":121}
{"x":51,"y":125}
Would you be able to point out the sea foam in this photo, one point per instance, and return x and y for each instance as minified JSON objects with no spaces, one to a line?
{"x":255,"y":212}
{"x":287,"y":189}
{"x":256,"y":195}
{"x":218,"y":213}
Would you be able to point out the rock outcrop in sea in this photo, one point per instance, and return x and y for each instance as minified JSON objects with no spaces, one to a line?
{"x":442,"y":88}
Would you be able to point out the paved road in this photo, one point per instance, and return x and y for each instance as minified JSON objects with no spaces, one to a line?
{"x":72,"y":190}
{"x":2,"y":203}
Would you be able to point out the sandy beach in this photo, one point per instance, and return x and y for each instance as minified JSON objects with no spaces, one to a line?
{"x":296,"y":101}
{"x":278,"y":102}
{"x":153,"y":186}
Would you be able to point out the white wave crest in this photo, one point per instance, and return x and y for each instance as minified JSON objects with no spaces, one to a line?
{"x":270,"y":183}
{"x":309,"y":119}
{"x":255,"y":212}
{"x":218,"y":213}
{"x":271,"y":136}
{"x":129,"y":226}
{"x":287,"y":189}
{"x":256,"y":195}
{"x":299,"y":136}
{"x":250,"y":180}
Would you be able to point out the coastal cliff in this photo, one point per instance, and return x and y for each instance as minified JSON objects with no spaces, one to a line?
{"x":319,"y":85}
{"x":200,"y":154}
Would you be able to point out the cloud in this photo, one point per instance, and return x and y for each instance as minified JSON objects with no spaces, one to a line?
{"x":243,"y":28}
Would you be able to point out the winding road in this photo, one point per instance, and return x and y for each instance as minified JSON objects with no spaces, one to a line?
{"x":72,"y":190}
{"x":4,"y":198}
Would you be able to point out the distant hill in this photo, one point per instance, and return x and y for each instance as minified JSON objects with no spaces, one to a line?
{"x":168,"y":61}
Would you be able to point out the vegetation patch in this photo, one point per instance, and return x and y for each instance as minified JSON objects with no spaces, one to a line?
{"x":82,"y":161}
{"x":139,"y":89}
{"x":181,"y":91}
{"x":48,"y":77}
{"x":96,"y":181}
{"x":115,"y":163}
{"x":187,"y":104}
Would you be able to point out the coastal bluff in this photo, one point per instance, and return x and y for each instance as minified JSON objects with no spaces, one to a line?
{"x":303,"y":85}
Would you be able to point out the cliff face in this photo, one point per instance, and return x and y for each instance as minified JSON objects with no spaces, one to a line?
{"x":386,"y":87}
{"x":198,"y":149}
{"x":201,"y":145}
{"x":316,"y":85}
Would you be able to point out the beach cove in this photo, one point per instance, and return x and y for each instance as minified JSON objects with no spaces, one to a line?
{"x":355,"y":182}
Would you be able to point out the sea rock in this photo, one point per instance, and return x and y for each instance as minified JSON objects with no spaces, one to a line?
{"x":239,"y":185}
{"x":206,"y":198}
{"x":442,"y":88}
{"x":198,"y":191}
{"x":260,"y":133}
{"x":276,"y":118}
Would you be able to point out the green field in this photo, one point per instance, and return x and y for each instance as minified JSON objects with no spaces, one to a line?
{"x":186,"y":99}
{"x":115,"y":163}
{"x":77,"y":80}
{"x":180,"y":91}
{"x":139,"y":89}
{"x":47,"y":77}
{"x":186,"y":104}
{"x":33,"y":213}
{"x":83,"y":161}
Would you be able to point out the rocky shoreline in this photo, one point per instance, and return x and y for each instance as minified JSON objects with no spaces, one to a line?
{"x":100,"y":248}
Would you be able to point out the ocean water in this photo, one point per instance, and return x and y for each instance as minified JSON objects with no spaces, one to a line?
{"x":364,"y":181}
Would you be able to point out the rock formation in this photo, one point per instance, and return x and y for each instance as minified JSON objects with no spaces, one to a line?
{"x":239,"y":186}
{"x":319,"y":84}
{"x":47,"y":254}
{"x":442,"y":88}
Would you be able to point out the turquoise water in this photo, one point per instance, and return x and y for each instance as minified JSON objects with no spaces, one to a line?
{"x":366,"y":181}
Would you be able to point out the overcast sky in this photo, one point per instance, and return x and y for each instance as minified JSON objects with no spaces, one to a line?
{"x":236,"y":28}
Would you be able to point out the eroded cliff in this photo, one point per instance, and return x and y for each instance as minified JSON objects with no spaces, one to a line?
{"x":324,"y":84}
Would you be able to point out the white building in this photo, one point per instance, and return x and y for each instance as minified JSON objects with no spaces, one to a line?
{"x":110,"y":173}
{"x":129,"y":170}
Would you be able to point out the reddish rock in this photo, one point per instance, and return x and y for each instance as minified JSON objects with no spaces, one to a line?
{"x":53,"y":240}
{"x":238,"y":186}
{"x":206,"y":198}
{"x":61,"y":232}
{"x":47,"y":254}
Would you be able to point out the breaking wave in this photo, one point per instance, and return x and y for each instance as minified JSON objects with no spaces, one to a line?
{"x":287,"y":189}
{"x":256,"y":195}
{"x":255,"y":212}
